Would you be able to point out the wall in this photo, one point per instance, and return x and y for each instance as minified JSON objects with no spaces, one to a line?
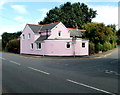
{"x":25,"y":44}
{"x":52,"y":47}
{"x":58,"y":48}
{"x":64,"y":32}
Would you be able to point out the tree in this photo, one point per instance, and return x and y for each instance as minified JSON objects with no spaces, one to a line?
{"x":70,"y":15}
{"x":6,"y":37}
{"x":104,"y":37}
{"x":14,"y":46}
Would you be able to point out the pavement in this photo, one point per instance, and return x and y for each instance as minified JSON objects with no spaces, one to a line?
{"x":29,"y":74}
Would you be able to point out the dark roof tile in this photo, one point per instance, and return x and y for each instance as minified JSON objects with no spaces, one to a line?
{"x":42,"y":28}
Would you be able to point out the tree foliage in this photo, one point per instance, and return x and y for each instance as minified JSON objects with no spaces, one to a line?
{"x":14,"y":46}
{"x":70,"y":14}
{"x":6,"y":37}
{"x":104,"y":37}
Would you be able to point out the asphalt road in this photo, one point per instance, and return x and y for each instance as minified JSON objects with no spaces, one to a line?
{"x":48,"y":75}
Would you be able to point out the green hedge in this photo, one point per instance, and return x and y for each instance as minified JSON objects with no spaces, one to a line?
{"x":91,"y":48}
{"x":13,"y":46}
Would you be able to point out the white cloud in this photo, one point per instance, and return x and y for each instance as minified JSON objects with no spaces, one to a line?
{"x":19,"y":8}
{"x":1,"y":4}
{"x":106,"y":14}
{"x":43,"y":12}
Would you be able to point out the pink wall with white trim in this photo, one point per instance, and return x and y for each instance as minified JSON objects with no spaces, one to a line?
{"x":51,"y":46}
{"x":58,"y":48}
{"x":56,"y":29}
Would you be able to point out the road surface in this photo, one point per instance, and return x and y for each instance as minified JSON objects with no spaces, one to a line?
{"x":48,"y":75}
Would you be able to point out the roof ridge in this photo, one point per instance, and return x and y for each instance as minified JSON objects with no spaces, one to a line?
{"x":77,"y":29}
{"x":44,"y":24}
{"x":52,"y":23}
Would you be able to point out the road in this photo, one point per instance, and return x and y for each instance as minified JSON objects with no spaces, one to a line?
{"x":48,"y":75}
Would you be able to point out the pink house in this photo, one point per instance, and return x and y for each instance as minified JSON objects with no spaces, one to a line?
{"x":53,"y":39}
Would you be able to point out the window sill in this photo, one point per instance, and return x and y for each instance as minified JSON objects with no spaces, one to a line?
{"x":38,"y":49}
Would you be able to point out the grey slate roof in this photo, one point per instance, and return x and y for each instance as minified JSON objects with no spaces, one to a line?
{"x":41,"y":38}
{"x":75,"y":32}
{"x":42,"y":28}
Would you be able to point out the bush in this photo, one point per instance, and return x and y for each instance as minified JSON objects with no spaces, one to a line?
{"x":14,"y":46}
{"x":98,"y":47}
{"x":91,"y":48}
{"x":107,"y":46}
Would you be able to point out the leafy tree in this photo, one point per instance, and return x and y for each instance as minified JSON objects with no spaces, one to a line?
{"x":70,"y":14}
{"x":91,"y":48}
{"x":104,"y":37}
{"x":14,"y":46}
{"x":6,"y":37}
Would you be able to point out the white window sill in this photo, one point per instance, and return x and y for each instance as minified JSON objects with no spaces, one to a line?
{"x":38,"y":49}
{"x":68,"y":48}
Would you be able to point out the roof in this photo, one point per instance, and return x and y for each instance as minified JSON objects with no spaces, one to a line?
{"x":75,"y":32}
{"x":41,"y":38}
{"x":41,"y":28}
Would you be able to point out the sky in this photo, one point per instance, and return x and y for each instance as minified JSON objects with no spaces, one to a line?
{"x":14,"y":15}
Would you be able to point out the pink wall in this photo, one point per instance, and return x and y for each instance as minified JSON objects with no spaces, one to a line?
{"x":25,"y":44}
{"x":58,"y":48}
{"x":52,"y":47}
{"x":56,"y":29}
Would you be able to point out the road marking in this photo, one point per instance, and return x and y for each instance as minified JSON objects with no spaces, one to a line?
{"x":39,"y":70}
{"x":90,"y":87}
{"x":111,"y":72}
{"x":15,"y":62}
{"x":2,"y":58}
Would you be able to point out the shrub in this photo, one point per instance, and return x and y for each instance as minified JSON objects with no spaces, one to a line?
{"x":107,"y":46}
{"x":98,"y":47}
{"x":91,"y":48}
{"x":14,"y":46}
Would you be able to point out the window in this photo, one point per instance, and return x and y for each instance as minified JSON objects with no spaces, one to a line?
{"x":38,"y":46}
{"x":31,"y":45}
{"x":68,"y":45}
{"x":83,"y":45}
{"x":23,"y":36}
{"x":59,"y":33}
{"x":29,"y":36}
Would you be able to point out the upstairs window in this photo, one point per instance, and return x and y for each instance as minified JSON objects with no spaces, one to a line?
{"x":68,"y":45}
{"x":83,"y":45}
{"x":59,"y":33}
{"x":23,"y":36}
{"x":38,"y":46}
{"x":29,"y":36}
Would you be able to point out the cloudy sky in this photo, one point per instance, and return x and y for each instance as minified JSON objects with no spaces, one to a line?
{"x":15,"y":15}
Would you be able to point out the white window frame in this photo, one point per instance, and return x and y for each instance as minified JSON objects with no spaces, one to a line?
{"x":59,"y":33}
{"x":31,"y":46}
{"x":29,"y":35}
{"x":23,"y":36}
{"x":38,"y":46}
{"x":66,"y":45}
{"x":82,"y":44}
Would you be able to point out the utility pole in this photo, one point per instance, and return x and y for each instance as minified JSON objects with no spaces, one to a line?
{"x":73,"y":43}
